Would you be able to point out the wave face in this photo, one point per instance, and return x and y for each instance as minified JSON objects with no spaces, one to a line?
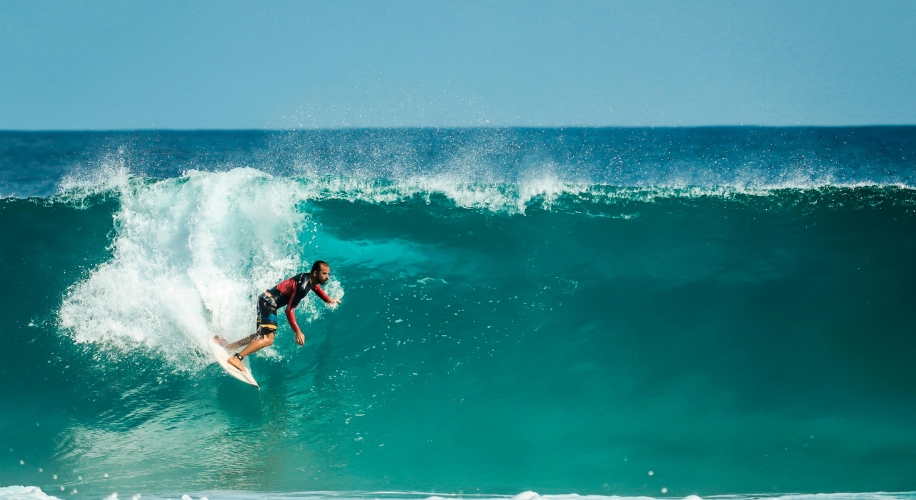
{"x":606,"y":312}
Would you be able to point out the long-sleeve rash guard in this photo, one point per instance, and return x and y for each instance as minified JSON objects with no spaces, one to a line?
{"x":291,"y":291}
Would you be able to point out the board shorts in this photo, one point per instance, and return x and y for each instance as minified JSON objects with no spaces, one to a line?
{"x":267,"y":314}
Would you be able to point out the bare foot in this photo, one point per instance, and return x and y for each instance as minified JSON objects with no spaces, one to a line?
{"x":221,"y":341}
{"x":234,"y":361}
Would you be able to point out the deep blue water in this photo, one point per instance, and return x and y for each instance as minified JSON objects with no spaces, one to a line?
{"x":711,"y":311}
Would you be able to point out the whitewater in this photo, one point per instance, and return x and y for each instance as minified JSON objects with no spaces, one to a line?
{"x":526,"y":314}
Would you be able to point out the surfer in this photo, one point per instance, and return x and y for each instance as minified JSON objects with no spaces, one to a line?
{"x":287,"y":293}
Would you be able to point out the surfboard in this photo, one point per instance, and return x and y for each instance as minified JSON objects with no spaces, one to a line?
{"x":222,"y":355}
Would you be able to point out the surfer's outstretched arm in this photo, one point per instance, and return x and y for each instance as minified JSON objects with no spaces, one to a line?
{"x":324,"y":296}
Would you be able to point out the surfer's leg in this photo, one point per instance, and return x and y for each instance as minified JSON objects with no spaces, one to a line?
{"x":264,"y":336}
{"x":239,"y":343}
{"x":256,"y":345}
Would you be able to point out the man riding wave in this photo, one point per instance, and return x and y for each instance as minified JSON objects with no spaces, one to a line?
{"x":287,"y":293}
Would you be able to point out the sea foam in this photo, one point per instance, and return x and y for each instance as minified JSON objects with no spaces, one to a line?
{"x":24,"y":493}
{"x":188,"y":259}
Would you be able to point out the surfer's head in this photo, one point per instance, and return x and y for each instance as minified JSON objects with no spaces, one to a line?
{"x":321,"y":272}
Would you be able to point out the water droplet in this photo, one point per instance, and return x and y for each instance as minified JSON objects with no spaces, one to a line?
{"x":664,"y":490}
{"x":651,"y":473}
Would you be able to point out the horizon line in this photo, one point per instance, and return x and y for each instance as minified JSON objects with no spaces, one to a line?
{"x":477,"y":127}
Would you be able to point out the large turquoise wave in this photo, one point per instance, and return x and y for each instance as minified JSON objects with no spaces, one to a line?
{"x":496,"y":336}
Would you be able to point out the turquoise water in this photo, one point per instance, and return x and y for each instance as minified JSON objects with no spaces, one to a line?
{"x":595,"y":312}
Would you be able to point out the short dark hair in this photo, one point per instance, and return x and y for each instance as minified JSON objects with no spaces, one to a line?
{"x":316,"y":267}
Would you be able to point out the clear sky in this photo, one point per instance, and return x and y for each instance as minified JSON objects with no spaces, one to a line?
{"x":282,"y":64}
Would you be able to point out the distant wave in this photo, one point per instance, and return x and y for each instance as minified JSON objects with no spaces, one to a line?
{"x":744,"y":158}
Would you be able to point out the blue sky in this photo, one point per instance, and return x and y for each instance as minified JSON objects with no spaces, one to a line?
{"x":280,"y":64}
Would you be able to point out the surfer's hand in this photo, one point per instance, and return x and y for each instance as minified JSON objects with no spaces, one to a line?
{"x":334,"y":301}
{"x":300,"y":338}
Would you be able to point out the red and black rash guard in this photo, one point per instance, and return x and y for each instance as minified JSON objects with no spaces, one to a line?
{"x":291,"y":291}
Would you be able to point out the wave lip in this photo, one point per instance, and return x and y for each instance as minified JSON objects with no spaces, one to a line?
{"x":550,"y":193}
{"x":544,"y":188}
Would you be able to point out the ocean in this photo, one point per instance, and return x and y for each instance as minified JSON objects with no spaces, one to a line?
{"x":526,"y":313}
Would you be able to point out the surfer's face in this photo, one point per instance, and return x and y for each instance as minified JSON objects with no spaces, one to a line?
{"x":321,"y":277}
